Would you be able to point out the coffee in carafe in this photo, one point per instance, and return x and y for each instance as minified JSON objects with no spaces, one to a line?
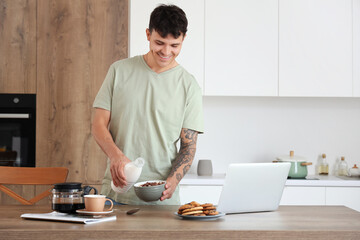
{"x":69,"y":197}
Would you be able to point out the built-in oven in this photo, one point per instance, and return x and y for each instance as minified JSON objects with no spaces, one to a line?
{"x":17,"y":130}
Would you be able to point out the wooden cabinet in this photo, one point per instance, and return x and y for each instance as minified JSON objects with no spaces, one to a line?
{"x":17,"y":60}
{"x":18,"y":46}
{"x":241,"y":48}
{"x":192,"y":54}
{"x":61,"y":50}
{"x":315,"y":48}
{"x":77,"y":42}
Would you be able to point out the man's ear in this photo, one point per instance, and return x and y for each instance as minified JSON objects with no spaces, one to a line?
{"x":148,"y":34}
{"x":184,"y":37}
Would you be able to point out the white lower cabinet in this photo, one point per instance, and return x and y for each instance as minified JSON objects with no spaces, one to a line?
{"x":292,"y":195}
{"x":330,"y":196}
{"x":346,"y":196}
{"x":303,"y":196}
{"x":201,"y":194}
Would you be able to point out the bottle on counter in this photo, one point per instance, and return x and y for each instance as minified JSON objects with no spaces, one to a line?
{"x":354,"y":171}
{"x":132,"y":172}
{"x":323,"y":166}
{"x":342,"y":168}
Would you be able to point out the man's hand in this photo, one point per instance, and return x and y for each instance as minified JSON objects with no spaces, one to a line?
{"x":117,"y":170}
{"x":182,"y":163}
{"x":170,"y":187}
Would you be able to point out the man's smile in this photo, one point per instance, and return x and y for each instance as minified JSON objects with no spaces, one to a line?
{"x":164,"y":57}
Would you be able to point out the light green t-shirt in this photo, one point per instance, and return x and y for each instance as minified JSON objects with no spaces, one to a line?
{"x":148,"y":111}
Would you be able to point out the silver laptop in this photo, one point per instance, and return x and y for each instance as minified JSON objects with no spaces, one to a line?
{"x":253,"y":187}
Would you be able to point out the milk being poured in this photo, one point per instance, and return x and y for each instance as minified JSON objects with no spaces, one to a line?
{"x":132,"y":172}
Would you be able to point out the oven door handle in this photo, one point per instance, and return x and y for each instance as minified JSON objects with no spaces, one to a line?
{"x":14,"y":115}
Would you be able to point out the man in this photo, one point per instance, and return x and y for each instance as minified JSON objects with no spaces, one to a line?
{"x":145,"y":105}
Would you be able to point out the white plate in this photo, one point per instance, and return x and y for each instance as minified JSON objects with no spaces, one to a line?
{"x":83,"y":211}
{"x":208,"y":217}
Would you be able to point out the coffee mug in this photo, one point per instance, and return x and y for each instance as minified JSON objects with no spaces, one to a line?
{"x":204,"y":168}
{"x":96,"y":203}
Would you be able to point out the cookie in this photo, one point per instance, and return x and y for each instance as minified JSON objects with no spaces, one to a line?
{"x":192,"y":213}
{"x":211,"y":212}
{"x":195,"y":204}
{"x":207,"y":205}
{"x":192,"y":209}
{"x":209,"y":208}
{"x":186,"y":206}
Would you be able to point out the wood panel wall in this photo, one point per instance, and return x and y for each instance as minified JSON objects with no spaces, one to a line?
{"x":76,"y":41}
{"x":17,"y":46}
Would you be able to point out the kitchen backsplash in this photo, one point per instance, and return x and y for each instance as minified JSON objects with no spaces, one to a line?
{"x":258,"y":129}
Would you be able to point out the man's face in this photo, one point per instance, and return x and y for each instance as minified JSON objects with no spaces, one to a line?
{"x":163,"y":51}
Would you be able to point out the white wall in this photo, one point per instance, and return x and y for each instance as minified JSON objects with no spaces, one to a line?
{"x":258,"y":129}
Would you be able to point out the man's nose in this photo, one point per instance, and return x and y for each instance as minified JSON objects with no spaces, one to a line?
{"x":166,"y":50}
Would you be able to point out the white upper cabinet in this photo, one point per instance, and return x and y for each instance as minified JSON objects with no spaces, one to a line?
{"x":192,"y":54}
{"x":265,"y":47}
{"x":241,"y":47}
{"x":315,"y":48}
{"x":356,"y":46}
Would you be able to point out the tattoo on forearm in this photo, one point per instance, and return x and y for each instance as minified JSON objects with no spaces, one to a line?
{"x":178,"y":177}
{"x":186,"y":169}
{"x":186,"y":154}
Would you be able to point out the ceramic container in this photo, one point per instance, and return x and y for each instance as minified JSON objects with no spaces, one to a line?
{"x":298,"y":167}
{"x":204,"y":168}
{"x":149,"y":193}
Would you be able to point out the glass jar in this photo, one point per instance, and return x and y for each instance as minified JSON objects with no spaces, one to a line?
{"x":343,"y":168}
{"x":323,"y":166}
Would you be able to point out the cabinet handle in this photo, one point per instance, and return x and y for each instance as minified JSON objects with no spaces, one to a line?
{"x":14,"y":115}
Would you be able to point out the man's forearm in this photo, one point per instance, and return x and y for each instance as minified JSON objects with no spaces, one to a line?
{"x":105,"y":141}
{"x":184,"y":159}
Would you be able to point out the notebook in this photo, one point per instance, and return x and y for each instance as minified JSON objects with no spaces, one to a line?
{"x":253,"y":187}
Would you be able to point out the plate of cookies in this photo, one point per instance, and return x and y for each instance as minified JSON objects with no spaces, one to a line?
{"x":197,"y":211}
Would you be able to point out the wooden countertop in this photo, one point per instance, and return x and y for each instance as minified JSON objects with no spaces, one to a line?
{"x":159,"y":222}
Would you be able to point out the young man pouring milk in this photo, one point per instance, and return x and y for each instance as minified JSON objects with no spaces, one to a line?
{"x":145,"y":105}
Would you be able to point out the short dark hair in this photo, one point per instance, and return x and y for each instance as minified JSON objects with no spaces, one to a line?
{"x":168,"y":19}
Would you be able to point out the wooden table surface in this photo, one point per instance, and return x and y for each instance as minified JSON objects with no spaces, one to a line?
{"x":159,"y":222}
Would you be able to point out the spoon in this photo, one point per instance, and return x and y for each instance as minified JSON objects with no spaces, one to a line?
{"x":132,"y":211}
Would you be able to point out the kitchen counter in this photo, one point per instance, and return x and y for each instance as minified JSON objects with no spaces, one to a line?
{"x":324,"y":181}
{"x":159,"y":222}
